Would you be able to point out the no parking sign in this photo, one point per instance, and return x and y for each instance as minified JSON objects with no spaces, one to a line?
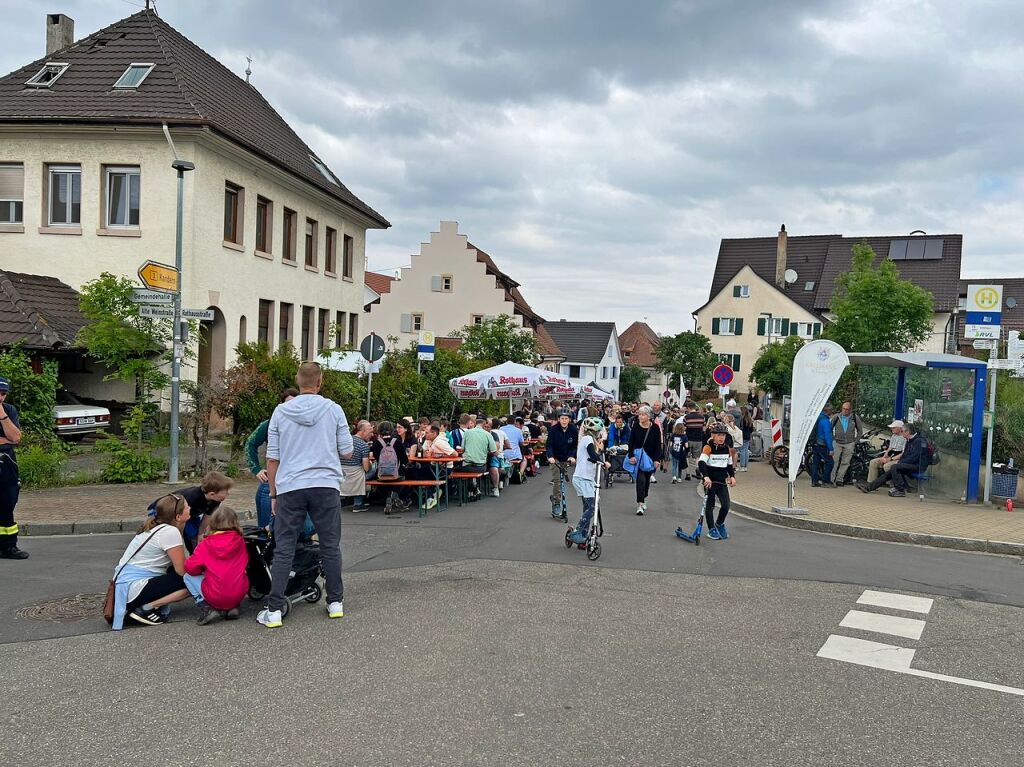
{"x":723,"y":375}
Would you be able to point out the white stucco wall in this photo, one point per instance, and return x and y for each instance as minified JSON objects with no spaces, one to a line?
{"x":473,"y":290}
{"x":229,"y":279}
{"x":590,"y":372}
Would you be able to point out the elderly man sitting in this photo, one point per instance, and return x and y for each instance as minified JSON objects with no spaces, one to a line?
{"x":891,"y":456}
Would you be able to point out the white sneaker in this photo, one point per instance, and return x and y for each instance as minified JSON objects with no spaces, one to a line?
{"x":674,"y":480}
{"x":335,"y":610}
{"x":654,"y":480}
{"x":495,"y":493}
{"x":431,"y":503}
{"x":640,"y":510}
{"x":269,"y":618}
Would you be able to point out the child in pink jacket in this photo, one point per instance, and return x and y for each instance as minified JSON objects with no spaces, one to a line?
{"x":215,"y":573}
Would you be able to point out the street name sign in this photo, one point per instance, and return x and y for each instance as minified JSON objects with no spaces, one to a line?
{"x":984,"y":343}
{"x":159,"y":277}
{"x":157,"y":311}
{"x":203,"y":315}
{"x":144,"y":296}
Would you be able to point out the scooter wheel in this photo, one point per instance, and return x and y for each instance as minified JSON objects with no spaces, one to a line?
{"x":285,"y":608}
{"x":696,"y":541}
{"x":594,"y":551}
{"x":568,"y":538}
{"x":315,"y":592}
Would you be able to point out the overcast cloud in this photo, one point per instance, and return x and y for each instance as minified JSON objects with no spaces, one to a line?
{"x":600,"y":150}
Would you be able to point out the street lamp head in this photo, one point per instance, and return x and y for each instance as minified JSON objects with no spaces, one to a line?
{"x":183,"y":165}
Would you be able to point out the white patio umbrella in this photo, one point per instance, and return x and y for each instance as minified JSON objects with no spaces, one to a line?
{"x":507,"y":381}
{"x":594,"y":392}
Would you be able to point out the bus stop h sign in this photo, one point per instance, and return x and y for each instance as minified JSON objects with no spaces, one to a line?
{"x":723,"y":375}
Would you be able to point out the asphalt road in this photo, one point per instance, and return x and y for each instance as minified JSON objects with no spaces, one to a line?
{"x":475,"y":637}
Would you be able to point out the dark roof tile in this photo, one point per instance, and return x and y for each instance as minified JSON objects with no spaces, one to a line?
{"x":38,"y":312}
{"x":584,"y":342}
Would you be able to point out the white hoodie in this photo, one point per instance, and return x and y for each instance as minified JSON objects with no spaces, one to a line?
{"x":308,"y":435}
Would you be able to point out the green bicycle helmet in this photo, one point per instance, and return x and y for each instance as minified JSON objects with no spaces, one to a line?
{"x":593,"y":424}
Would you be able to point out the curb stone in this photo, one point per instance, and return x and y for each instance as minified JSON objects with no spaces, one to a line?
{"x":29,"y":529}
{"x":879,"y":534}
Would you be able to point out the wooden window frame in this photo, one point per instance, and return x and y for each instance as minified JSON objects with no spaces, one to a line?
{"x":285,"y":326}
{"x":330,"y":251}
{"x":237,"y":213}
{"x":348,"y":257}
{"x":288,"y":234}
{"x":310,"y":243}
{"x":267,"y":229}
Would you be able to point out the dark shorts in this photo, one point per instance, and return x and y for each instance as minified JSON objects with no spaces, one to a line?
{"x":473,"y":467}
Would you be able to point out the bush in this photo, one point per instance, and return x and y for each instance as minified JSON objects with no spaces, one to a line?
{"x":34,"y":394}
{"x":40,"y":466}
{"x":128,"y":464}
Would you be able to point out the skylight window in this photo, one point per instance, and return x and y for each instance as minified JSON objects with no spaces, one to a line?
{"x":133,"y":76}
{"x":324,"y":170}
{"x":808,"y":287}
{"x":48,"y":75}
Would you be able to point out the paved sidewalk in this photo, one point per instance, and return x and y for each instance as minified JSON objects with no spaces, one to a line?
{"x":848,"y":511}
{"x":107,"y":508}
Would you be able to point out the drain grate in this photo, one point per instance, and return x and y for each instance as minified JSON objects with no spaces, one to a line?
{"x":73,"y":609}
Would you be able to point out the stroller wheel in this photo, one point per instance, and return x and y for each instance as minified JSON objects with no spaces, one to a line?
{"x":255,"y":594}
{"x":285,"y":608}
{"x":593,"y":552}
{"x":315,"y":592}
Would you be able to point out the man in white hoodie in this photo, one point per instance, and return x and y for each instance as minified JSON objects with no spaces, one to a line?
{"x":307,"y":438}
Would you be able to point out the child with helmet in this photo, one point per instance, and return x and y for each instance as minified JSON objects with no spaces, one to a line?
{"x":584,"y":481}
{"x":716,"y":469}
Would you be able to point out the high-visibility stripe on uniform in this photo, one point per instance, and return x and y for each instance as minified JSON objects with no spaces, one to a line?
{"x":12,"y":530}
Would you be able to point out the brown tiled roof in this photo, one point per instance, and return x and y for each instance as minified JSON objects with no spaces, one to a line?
{"x":510,"y":286}
{"x":584,"y":342}
{"x":819,"y":259}
{"x":378,"y":283}
{"x":38,"y":312}
{"x":186,"y":87}
{"x":546,"y":344}
{"x":638,"y":343}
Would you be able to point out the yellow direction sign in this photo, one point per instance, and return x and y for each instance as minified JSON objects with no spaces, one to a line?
{"x":159,"y":277}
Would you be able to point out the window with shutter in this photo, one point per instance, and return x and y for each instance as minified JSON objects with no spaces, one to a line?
{"x":735,"y":291}
{"x":12,"y":193}
{"x":406,"y":323}
{"x":817,"y":329}
{"x":435,"y":283}
{"x":737,"y":326}
{"x":784,"y":327}
{"x":735,"y":363}
{"x":762,"y":325}
{"x":714,"y":326}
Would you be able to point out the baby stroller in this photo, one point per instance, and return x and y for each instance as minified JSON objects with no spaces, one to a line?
{"x":304,"y":581}
{"x":616,"y":455}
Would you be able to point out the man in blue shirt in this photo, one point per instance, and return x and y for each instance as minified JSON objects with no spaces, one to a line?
{"x":514,"y":455}
{"x":822,"y":449}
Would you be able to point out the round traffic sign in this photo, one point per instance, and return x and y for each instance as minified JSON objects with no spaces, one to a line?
{"x":723,"y":375}
{"x":372,"y":348}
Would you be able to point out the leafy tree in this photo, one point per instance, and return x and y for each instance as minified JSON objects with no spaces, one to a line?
{"x":687,"y":355}
{"x":135,"y":348}
{"x":632,"y":382}
{"x":496,"y":340}
{"x":34,"y":394}
{"x":875,"y":310}
{"x":773,"y":370}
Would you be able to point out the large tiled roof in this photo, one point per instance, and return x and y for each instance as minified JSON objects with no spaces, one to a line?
{"x":546,"y":344}
{"x":186,"y":87}
{"x":819,"y":259}
{"x":38,"y":312}
{"x":510,"y":286}
{"x":638,"y":343}
{"x":584,"y":342}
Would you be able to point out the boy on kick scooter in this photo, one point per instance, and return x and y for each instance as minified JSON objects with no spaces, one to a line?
{"x":584,"y":480}
{"x":718,"y":473}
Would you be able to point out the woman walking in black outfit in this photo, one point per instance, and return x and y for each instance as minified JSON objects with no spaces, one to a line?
{"x":646,"y":435}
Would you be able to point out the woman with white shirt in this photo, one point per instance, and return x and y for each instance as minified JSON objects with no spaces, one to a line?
{"x":148,"y":576}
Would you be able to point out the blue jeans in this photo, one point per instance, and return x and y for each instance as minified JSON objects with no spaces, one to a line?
{"x":194,"y":584}
{"x":678,"y":464}
{"x":745,"y":453}
{"x":821,"y":464}
{"x":589,"y":505}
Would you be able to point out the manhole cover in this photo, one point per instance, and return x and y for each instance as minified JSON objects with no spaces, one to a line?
{"x":71,"y":609}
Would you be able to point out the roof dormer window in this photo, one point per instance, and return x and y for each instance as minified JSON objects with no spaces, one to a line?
{"x":133,"y":76}
{"x":324,"y":170}
{"x":48,"y":75}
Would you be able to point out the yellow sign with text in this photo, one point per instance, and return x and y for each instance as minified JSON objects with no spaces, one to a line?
{"x":159,"y":277}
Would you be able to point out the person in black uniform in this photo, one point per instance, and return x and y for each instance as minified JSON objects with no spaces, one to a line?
{"x":10,"y":484}
{"x":716,"y":469}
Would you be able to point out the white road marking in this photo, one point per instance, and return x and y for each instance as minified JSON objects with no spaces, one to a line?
{"x":908,"y":628}
{"x":890,"y":658}
{"x":896,"y":601}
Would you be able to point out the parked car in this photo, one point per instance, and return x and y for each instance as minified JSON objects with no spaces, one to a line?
{"x":73,"y":419}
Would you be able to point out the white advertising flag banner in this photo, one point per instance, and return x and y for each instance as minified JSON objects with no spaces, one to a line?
{"x":816,"y":370}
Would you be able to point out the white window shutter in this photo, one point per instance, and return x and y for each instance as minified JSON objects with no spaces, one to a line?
{"x":435,"y":283}
{"x":406,"y":323}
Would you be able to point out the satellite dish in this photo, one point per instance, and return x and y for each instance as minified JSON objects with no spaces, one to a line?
{"x":790,"y":276}
{"x":1011,"y":303}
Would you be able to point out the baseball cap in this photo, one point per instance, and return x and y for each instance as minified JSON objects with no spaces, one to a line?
{"x":731,"y":403}
{"x":5,"y":385}
{"x":895,"y":423}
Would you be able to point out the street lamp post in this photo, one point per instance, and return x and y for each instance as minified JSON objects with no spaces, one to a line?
{"x":181,"y":166}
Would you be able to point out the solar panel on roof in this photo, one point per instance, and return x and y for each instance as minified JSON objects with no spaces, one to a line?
{"x":897,"y":250}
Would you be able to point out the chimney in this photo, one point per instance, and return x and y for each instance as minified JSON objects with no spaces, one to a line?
{"x":780,"y":258}
{"x":60,"y":32}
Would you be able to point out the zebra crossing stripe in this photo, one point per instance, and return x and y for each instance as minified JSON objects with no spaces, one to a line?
{"x":908,"y":628}
{"x":896,"y":601}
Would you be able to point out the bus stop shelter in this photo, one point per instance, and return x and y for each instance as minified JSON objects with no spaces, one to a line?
{"x":951,"y":402}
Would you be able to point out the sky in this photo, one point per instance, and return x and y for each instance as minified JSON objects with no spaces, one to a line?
{"x":599,"y":151}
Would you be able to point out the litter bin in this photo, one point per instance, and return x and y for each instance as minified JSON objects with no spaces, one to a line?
{"x":1004,"y":481}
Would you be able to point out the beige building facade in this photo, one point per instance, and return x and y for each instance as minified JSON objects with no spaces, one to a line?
{"x":448,"y":285}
